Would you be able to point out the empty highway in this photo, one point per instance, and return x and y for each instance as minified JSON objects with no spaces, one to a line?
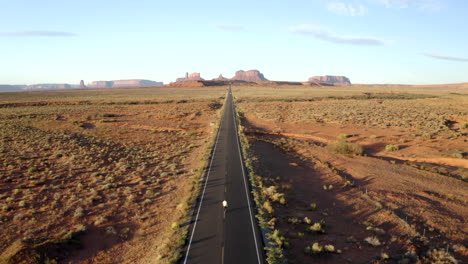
{"x":233,"y":237}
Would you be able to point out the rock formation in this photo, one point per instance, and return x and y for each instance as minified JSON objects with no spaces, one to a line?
{"x":82,"y":85}
{"x":249,"y":76}
{"x":48,"y":86}
{"x":124,"y":83}
{"x":135,"y":83}
{"x":221,"y":78}
{"x":190,"y":77}
{"x":328,"y":79}
{"x":101,"y":84}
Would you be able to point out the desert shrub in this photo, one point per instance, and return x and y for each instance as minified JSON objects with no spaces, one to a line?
{"x":99,"y":220}
{"x":346,"y":148}
{"x":33,"y":169}
{"x":314,"y":249}
{"x":374,"y":241}
{"x":273,"y":195}
{"x":458,"y":155}
{"x":329,"y":248}
{"x":294,"y":220}
{"x":5,"y":207}
{"x":317,"y":249}
{"x":439,"y":256}
{"x":316,"y":228}
{"x":268,"y":207}
{"x":391,"y":147}
{"x":110,"y":230}
{"x":80,"y":228}
{"x":274,"y":255}
{"x":146,"y":202}
{"x":78,"y":212}
{"x":464,"y":126}
{"x":344,"y":136}
{"x":19,"y":216}
{"x":278,"y":239}
{"x":313,"y":207}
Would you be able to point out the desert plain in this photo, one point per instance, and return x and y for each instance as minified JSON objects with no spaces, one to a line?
{"x":355,"y":174}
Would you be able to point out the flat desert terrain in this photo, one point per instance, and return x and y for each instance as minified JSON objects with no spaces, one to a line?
{"x":357,"y":174}
{"x":101,"y":176}
{"x":361,"y":174}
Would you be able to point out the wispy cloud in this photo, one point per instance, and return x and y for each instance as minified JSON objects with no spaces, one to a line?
{"x":341,"y":8}
{"x":443,"y":56}
{"x":233,"y":28}
{"x":38,"y":33}
{"x":324,"y":34}
{"x":431,"y":5}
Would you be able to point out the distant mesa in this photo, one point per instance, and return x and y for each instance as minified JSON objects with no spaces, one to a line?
{"x":240,"y":76}
{"x":11,"y":87}
{"x":101,"y":84}
{"x":48,"y":86}
{"x":123,"y":83}
{"x":190,"y":77}
{"x":96,"y":84}
{"x":330,"y":80}
{"x":249,"y":76}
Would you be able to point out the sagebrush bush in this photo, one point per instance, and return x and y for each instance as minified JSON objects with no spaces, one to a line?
{"x":374,"y":241}
{"x":267,"y":206}
{"x":391,"y":147}
{"x":273,"y":194}
{"x":346,"y":148}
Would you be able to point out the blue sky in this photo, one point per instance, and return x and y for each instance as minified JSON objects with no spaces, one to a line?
{"x":369,"y":41}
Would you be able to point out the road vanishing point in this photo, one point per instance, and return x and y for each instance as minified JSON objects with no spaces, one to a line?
{"x":216,"y":236}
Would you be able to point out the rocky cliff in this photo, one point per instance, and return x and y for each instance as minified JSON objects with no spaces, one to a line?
{"x":249,"y":76}
{"x":328,"y":79}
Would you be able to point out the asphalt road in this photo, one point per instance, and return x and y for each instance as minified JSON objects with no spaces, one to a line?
{"x":231,"y":237}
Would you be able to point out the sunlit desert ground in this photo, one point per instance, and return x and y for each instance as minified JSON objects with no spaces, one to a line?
{"x":107,"y":171}
{"x":379,"y":173}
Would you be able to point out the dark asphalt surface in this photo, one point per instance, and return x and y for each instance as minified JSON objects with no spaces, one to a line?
{"x":232,"y":238}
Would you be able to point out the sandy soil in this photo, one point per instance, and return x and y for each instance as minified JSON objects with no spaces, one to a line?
{"x":412,"y":199}
{"x":120,"y":172}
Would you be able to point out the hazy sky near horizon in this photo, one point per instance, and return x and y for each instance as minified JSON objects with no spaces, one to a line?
{"x":369,"y":41}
